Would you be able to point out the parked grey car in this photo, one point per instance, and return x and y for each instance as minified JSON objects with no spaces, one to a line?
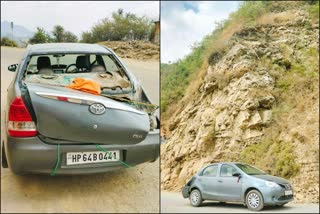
{"x":237,"y":182}
{"x":55,"y":129}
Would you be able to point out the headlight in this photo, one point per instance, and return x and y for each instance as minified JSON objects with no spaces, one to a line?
{"x":271,"y":184}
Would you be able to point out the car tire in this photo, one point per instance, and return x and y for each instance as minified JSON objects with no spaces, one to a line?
{"x":4,"y":162}
{"x":195,"y":198}
{"x":254,"y":200}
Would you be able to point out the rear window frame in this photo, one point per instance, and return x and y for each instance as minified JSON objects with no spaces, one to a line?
{"x":27,"y":57}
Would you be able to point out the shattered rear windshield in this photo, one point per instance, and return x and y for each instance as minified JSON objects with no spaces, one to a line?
{"x":62,"y":69}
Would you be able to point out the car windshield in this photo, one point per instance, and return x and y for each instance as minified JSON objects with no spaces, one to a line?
{"x":250,"y":170}
{"x":62,"y":69}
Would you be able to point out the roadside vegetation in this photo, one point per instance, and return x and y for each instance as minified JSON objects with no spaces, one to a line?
{"x":5,"y":41}
{"x":122,"y":26}
{"x":59,"y":34}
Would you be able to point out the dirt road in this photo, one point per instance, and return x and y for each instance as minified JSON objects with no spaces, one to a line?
{"x":172,"y":202}
{"x":129,"y":190}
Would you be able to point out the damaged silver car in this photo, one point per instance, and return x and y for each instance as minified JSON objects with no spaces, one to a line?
{"x":56,"y":129}
{"x":237,"y":183}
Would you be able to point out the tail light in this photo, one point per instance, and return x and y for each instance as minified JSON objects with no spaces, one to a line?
{"x":20,"y":122}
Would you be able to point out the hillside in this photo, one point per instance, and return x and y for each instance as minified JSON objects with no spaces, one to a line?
{"x":249,"y":92}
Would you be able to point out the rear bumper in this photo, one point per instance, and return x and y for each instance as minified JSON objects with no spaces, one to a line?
{"x":185,"y":191}
{"x":32,"y":155}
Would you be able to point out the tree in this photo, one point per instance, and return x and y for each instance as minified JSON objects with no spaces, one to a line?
{"x":121,"y":26}
{"x":69,"y":37}
{"x":87,"y":37}
{"x":40,"y":37}
{"x":58,"y":33}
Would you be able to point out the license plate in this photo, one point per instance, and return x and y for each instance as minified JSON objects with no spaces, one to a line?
{"x":74,"y":158}
{"x":288,"y":192}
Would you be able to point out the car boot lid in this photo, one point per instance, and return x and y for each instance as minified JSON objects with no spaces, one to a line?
{"x":74,"y":96}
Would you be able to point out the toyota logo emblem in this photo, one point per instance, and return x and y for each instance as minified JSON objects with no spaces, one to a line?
{"x":97,"y":108}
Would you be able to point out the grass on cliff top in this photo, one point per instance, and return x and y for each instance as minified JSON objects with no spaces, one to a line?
{"x":183,"y":78}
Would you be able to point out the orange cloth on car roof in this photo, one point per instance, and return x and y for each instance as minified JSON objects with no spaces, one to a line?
{"x":85,"y":85}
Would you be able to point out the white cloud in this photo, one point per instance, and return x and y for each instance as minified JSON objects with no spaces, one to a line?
{"x":182,"y":26}
{"x":76,"y":16}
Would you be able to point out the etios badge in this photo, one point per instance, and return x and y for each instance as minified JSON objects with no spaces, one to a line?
{"x":97,"y":108}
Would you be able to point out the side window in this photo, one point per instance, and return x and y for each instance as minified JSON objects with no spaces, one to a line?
{"x":32,"y":66}
{"x":227,"y":170}
{"x":92,"y":59}
{"x":210,"y":171}
{"x":110,"y":64}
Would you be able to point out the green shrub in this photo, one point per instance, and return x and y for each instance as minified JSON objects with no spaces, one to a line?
{"x":276,"y":158}
{"x":314,"y":10}
{"x":302,"y":75}
{"x":121,"y":26}
{"x":5,"y":41}
{"x":176,"y":77}
{"x":40,"y":36}
{"x":249,"y":11}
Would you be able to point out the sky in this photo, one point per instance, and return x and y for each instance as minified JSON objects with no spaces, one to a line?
{"x":76,"y":17}
{"x":184,"y":23}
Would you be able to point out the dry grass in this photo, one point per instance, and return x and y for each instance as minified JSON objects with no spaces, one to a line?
{"x":197,"y":78}
{"x":231,"y":29}
{"x":257,"y":92}
{"x":191,"y":93}
{"x":134,"y":49}
{"x":276,"y":18}
{"x":218,"y":45}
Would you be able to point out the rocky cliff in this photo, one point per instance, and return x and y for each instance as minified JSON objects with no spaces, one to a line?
{"x":258,"y":103}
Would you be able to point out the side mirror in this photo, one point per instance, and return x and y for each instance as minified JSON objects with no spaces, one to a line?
{"x":13,"y":67}
{"x":236,"y":174}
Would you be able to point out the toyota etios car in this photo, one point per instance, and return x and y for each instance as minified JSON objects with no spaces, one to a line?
{"x":75,"y":108}
{"x":237,"y":182}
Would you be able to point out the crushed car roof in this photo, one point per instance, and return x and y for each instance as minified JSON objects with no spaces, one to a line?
{"x":50,"y":48}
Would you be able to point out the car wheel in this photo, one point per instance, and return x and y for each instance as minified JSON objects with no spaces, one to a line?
{"x":4,"y":162}
{"x":195,"y":198}
{"x":254,"y":200}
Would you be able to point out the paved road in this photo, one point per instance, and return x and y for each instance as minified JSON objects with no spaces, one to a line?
{"x":128,"y":190}
{"x":172,"y":202}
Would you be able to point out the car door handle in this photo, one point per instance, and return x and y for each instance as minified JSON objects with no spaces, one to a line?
{"x":220,"y":181}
